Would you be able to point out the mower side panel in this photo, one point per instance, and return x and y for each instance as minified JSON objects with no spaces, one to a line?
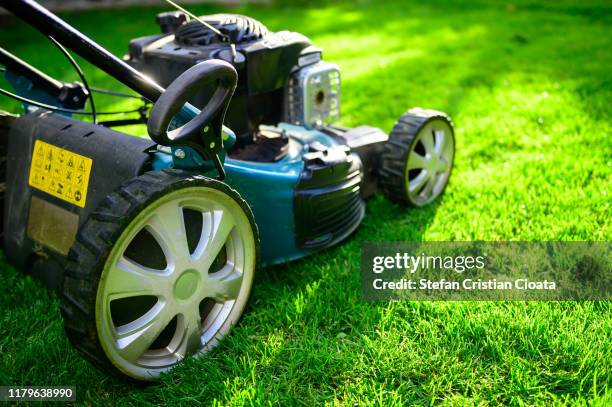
{"x":39,"y":228}
{"x":268,"y":189}
{"x":298,"y":212}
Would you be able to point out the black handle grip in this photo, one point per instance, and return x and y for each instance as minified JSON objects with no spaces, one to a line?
{"x":179,"y":92}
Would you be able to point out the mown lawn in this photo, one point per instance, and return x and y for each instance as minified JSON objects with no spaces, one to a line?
{"x":529,"y":88}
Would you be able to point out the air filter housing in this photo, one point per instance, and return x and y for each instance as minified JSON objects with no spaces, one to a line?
{"x":313,"y":95}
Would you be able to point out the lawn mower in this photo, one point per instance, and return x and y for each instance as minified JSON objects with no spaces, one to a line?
{"x":153,"y":243}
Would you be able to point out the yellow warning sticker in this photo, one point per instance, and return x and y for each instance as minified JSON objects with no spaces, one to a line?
{"x":60,"y":172}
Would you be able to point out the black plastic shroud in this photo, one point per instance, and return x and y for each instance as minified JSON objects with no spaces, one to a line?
{"x":116,"y":158}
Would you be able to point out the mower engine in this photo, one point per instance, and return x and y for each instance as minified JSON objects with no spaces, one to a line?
{"x":281,"y":75}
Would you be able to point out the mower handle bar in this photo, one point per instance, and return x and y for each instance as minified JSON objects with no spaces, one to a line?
{"x":206,"y":127}
{"x":51,"y":25}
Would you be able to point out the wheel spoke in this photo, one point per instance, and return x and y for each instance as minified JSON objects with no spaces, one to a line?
{"x":428,"y":141}
{"x":416,"y":161}
{"x":168,"y":227}
{"x":129,"y":279}
{"x":134,"y":338}
{"x":438,"y":184}
{"x":431,"y":182}
{"x":418,"y":181}
{"x":218,"y":226}
{"x":440,"y":140}
{"x":192,"y":335}
{"x":447,"y":149}
{"x":225,"y":284}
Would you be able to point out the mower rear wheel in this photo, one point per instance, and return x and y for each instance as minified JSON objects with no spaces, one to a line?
{"x":418,"y":157}
{"x":161,"y":270}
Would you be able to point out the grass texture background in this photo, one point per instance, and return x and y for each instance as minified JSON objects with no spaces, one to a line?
{"x":529,"y":88}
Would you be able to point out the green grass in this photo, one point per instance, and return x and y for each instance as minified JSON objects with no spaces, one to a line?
{"x":529,"y":89}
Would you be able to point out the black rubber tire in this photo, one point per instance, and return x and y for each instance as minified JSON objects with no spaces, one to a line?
{"x":94,"y":242}
{"x":395,"y":152}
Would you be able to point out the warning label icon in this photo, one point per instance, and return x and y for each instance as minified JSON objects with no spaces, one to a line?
{"x":60,"y":172}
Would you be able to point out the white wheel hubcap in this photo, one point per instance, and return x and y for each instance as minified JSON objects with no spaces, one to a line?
{"x":429,"y":162}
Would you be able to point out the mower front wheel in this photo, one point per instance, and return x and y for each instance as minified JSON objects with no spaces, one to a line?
{"x":161,"y":270}
{"x":417,"y":159}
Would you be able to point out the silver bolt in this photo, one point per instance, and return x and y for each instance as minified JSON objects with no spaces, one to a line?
{"x":180,"y":154}
{"x":212,"y":145}
{"x":206,"y":129}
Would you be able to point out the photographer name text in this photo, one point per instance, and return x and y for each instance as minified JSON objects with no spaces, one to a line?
{"x":466,"y":284}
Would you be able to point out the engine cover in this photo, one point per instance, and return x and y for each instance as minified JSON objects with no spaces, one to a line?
{"x":280,"y":74}
{"x":264,"y":61}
